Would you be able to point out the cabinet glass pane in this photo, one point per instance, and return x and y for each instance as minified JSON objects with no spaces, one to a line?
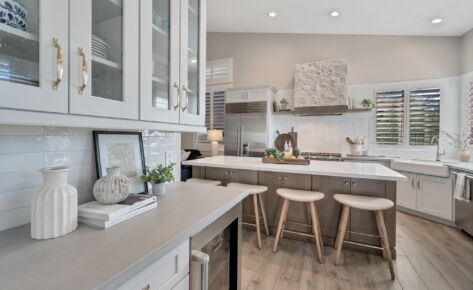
{"x":193,"y":57}
{"x":19,"y":49}
{"x":107,"y":49}
{"x":161,"y":55}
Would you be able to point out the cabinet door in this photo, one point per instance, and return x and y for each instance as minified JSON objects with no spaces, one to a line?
{"x":221,"y":174}
{"x":33,"y":56}
{"x":272,"y":202}
{"x":257,"y":96}
{"x":104,"y":42}
{"x":407,"y":191}
{"x":435,"y":196}
{"x":234,"y":97}
{"x":159,"y":60}
{"x":192,"y":62}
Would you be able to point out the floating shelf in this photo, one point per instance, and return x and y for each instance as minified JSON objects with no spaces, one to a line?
{"x":159,"y":80}
{"x":106,"y":62}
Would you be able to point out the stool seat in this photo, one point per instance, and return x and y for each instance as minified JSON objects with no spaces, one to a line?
{"x":204,"y":181}
{"x":364,"y":202}
{"x":300,"y":195}
{"x":250,"y":188}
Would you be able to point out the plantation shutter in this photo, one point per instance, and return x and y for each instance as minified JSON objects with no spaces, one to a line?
{"x":390,"y":117}
{"x":424,"y":116}
{"x":219,"y":71}
{"x":214,"y":113}
{"x":470,"y":106}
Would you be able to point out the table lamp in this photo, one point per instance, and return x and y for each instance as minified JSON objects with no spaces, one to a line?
{"x":214,"y":136}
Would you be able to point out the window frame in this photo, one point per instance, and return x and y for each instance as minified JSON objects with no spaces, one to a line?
{"x":408,"y":87}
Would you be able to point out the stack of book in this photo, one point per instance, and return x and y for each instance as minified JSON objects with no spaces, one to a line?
{"x":105,"y":216}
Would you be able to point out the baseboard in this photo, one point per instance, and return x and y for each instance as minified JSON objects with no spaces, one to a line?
{"x":426,"y":216}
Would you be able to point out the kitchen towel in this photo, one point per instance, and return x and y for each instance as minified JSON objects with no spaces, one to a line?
{"x":461,"y":188}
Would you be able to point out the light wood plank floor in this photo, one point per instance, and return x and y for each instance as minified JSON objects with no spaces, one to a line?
{"x":429,"y":256}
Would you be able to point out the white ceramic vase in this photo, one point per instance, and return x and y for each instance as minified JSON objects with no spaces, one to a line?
{"x":54,"y":206}
{"x":465,"y":155}
{"x":159,"y":189}
{"x":112,"y":188}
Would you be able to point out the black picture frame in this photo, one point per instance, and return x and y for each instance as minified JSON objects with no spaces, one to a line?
{"x":96,"y":137}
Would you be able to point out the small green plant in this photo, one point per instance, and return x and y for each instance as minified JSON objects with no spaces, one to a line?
{"x":367,"y":104}
{"x":284,"y":101}
{"x":296,"y":152}
{"x":273,"y":152}
{"x":159,"y":174}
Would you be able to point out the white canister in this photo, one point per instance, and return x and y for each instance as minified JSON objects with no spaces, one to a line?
{"x":54,"y":206}
{"x":356,"y":149}
{"x":112,"y":188}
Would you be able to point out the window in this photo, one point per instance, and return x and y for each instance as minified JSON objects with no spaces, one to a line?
{"x":215,"y":114}
{"x":416,"y":116}
{"x":390,"y":117}
{"x":219,"y":72}
{"x":470,"y":107}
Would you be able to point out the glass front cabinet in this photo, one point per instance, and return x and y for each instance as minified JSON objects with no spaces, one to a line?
{"x":172,"y":61}
{"x":33,"y":55}
{"x":126,"y":59}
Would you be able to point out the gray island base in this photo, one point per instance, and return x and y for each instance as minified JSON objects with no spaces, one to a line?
{"x":361,"y":227}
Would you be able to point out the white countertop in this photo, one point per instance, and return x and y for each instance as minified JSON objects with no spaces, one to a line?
{"x":90,"y":258}
{"x":327,"y":168}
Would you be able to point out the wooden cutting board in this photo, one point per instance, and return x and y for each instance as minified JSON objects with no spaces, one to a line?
{"x":283,"y":138}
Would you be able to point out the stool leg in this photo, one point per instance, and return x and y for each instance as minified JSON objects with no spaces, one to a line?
{"x":283,"y":224}
{"x":285,"y":206}
{"x":341,"y":232}
{"x":316,"y":231}
{"x":318,"y":226}
{"x":263,"y":213}
{"x":258,"y":234}
{"x":384,"y":237}
{"x":380,"y":238}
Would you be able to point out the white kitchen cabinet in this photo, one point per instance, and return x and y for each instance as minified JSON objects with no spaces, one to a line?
{"x":248,"y":95}
{"x":104,"y":62}
{"x":435,"y":196}
{"x":171,"y":271}
{"x":407,"y":191}
{"x":172,"y":85}
{"x":427,"y":194}
{"x":34,"y":62}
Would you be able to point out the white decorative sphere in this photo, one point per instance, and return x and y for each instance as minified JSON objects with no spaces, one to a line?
{"x":54,"y":206}
{"x":112,"y":188}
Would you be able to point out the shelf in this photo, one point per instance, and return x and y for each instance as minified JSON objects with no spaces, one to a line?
{"x":159,"y":80}
{"x":21,"y":44}
{"x":192,"y":10}
{"x":288,"y":112}
{"x":159,"y":30}
{"x":106,"y":62}
{"x":14,"y":34}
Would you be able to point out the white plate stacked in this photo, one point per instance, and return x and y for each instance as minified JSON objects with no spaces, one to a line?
{"x":5,"y":76}
{"x":100,"y":48}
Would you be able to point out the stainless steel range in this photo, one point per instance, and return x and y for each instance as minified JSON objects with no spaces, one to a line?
{"x":323,"y":156}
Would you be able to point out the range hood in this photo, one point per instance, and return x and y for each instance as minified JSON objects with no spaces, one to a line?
{"x":321,"y":88}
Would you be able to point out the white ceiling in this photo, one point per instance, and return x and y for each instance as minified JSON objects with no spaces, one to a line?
{"x":378,"y":17}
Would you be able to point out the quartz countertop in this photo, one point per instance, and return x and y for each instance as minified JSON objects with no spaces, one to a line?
{"x":328,"y":168}
{"x":90,"y":258}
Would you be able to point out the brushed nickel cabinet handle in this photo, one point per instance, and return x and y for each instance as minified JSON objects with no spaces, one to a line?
{"x":85,"y":71}
{"x":186,"y":96}
{"x":418,"y":184}
{"x":176,"y":97}
{"x":354,"y":183}
{"x":279,"y":177}
{"x":413,"y":184}
{"x":347,"y":183}
{"x":59,"y":64}
{"x":286,"y":178}
{"x":147,"y":287}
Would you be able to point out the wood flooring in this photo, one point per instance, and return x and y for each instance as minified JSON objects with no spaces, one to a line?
{"x":429,"y":256}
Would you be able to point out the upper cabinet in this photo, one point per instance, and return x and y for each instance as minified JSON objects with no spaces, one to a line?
{"x":172,"y":58}
{"x":126,"y":60}
{"x":33,"y":55}
{"x":104,"y":58}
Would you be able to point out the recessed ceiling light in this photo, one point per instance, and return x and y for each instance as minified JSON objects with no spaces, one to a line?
{"x":437,"y":20}
{"x":334,"y":13}
{"x":272,"y":14}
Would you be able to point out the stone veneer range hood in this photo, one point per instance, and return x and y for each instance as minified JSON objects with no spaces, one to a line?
{"x":321,"y":87}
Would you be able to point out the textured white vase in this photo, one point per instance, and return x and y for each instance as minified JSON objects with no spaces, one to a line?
{"x":159,"y":188}
{"x":54,"y":206}
{"x":465,"y":155}
{"x":112,"y":188}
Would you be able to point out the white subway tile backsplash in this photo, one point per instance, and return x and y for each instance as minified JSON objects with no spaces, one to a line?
{"x":24,"y":150}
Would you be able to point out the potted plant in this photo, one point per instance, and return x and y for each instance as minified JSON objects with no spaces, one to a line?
{"x":283,"y":103}
{"x":367,"y":104}
{"x":462,"y":142}
{"x":158,"y":177}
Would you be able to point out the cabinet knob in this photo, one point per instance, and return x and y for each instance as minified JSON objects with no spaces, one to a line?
{"x":347,"y":183}
{"x":226,"y":172}
{"x":354,"y":183}
{"x":147,"y":287}
{"x":279,"y":177}
{"x":285,"y":178}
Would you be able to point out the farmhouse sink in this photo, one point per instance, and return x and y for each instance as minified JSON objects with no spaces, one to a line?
{"x":433,"y":168}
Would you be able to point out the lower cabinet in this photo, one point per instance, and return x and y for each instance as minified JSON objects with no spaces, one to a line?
{"x":427,"y":194}
{"x":171,"y":271}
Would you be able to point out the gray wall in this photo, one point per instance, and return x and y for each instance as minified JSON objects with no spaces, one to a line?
{"x":270,"y":58}
{"x":467,"y":52}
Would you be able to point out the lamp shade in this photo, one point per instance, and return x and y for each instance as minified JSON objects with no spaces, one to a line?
{"x":214,"y":135}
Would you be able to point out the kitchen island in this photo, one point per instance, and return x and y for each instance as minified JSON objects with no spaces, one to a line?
{"x":90,"y":258}
{"x":329,"y":177}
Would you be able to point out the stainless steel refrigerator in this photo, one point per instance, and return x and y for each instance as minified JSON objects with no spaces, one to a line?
{"x":246,"y":126}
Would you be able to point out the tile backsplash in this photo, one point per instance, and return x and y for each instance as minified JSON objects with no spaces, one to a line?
{"x":24,"y":150}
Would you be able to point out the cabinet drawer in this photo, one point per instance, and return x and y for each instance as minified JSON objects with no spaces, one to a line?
{"x":164,"y":273}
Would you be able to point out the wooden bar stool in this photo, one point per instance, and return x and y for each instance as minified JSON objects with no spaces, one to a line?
{"x":306,"y":196}
{"x":375,"y":204}
{"x":204,"y":181}
{"x":256,"y":191}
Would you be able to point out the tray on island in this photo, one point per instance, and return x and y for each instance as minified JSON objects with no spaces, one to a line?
{"x":294,"y":161}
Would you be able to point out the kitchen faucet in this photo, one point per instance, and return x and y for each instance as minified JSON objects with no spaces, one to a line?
{"x":437,"y":154}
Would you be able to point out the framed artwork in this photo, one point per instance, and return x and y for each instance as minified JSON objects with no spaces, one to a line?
{"x":124,"y":150}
